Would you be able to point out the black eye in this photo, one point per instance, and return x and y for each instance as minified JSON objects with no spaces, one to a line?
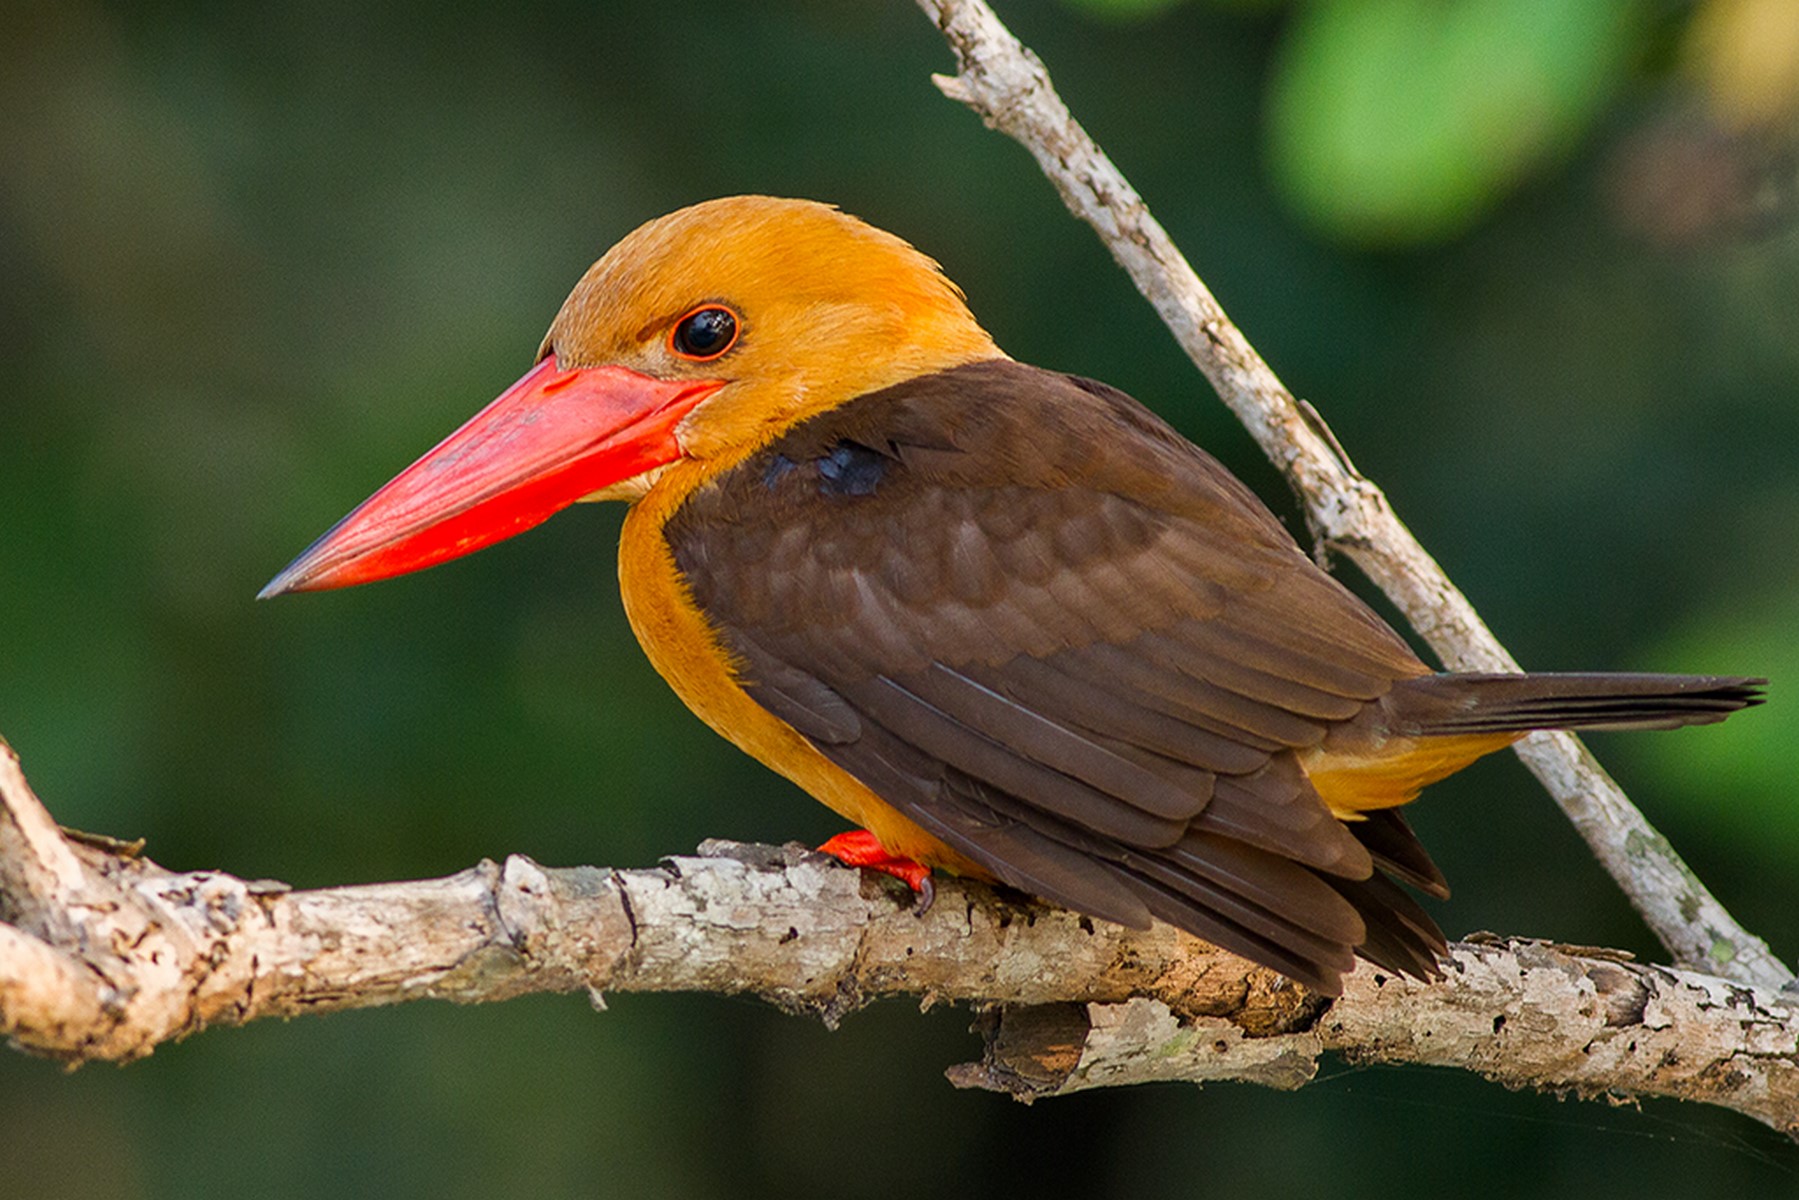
{"x":705,"y":333}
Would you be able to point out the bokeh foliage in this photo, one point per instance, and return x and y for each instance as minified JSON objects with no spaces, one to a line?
{"x":254,"y":258}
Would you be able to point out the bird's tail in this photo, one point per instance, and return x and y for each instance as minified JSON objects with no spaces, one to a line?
{"x":1434,"y":725}
{"x":1434,"y":705}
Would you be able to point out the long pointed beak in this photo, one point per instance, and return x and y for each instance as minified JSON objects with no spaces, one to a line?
{"x":550,"y":439}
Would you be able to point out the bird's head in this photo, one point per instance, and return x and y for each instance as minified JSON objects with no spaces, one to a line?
{"x":697,"y":339}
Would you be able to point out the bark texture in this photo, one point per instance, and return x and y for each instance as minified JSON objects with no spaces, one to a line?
{"x":105,"y":955}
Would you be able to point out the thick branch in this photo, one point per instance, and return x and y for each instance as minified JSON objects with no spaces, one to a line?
{"x":1009,"y":88}
{"x":126,"y":955}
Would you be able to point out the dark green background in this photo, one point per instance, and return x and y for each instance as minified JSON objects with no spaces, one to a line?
{"x":254,"y":258}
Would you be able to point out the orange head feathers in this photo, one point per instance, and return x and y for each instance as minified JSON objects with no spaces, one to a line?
{"x":827,"y":307}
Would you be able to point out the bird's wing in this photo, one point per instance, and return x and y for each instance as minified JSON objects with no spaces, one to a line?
{"x":1060,"y":638}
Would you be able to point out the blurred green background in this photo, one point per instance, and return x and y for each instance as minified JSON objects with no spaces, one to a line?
{"x":1533,"y":259}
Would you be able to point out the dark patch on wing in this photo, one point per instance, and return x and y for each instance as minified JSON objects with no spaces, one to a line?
{"x":851,"y":470}
{"x":1053,"y":633}
{"x":778,"y":468}
{"x":845,"y":469}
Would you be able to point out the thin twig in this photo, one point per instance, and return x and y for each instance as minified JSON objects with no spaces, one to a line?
{"x":1007,"y":85}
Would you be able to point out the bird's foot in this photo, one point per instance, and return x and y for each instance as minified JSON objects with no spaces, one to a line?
{"x":860,"y":848}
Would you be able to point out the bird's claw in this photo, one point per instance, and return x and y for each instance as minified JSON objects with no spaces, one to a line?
{"x":860,"y":848}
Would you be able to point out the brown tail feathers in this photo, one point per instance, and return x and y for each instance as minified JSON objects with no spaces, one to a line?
{"x":1434,"y":725}
{"x":1433,"y":705}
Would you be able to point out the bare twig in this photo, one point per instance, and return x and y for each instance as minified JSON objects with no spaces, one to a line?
{"x":1009,"y":88}
{"x":121,"y":955}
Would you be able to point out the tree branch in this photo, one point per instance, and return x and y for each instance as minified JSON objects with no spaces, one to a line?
{"x":1008,"y":86}
{"x":107,"y":955}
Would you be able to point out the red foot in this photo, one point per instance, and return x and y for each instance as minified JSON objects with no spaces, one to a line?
{"x":860,"y":848}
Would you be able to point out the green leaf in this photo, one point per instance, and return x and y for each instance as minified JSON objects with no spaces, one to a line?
{"x":1402,"y":121}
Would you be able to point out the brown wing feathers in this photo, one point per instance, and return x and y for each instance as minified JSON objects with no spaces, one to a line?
{"x":1067,"y":643}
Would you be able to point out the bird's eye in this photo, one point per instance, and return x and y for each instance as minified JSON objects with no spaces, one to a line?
{"x":705,"y":333}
